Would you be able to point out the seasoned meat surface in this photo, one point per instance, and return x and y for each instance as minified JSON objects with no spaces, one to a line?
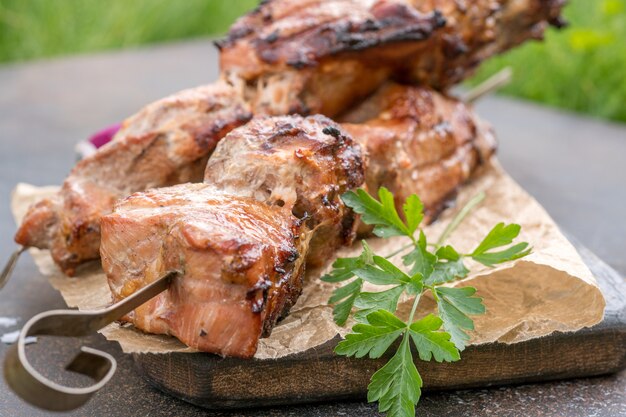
{"x":241,"y":260}
{"x":317,"y":56}
{"x":419,"y":142}
{"x":303,"y":164}
{"x":240,"y":246}
{"x":167,"y":143}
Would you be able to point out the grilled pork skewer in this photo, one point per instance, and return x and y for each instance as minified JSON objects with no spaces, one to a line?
{"x":320,"y":56}
{"x":242,"y":249}
{"x":285,"y":57}
{"x":232,"y":256}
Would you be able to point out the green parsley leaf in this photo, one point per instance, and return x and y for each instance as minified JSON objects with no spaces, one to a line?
{"x":397,"y":385}
{"x":348,"y":293}
{"x":429,"y":342}
{"x":449,"y":267}
{"x":367,"y":302}
{"x":420,"y":258}
{"x":386,"y":300}
{"x":510,"y":254}
{"x":448,"y":252}
{"x":454,"y":305}
{"x":446,"y":272}
{"x":381,"y":213}
{"x":382,"y":273}
{"x":413,"y":212}
{"x":500,"y":235}
{"x":343,"y":268}
{"x":372,"y":338}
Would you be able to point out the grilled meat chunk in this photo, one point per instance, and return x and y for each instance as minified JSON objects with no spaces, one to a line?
{"x":242,"y":263}
{"x":419,"y":142}
{"x":302,"y":164}
{"x":167,"y":143}
{"x":240,"y":245}
{"x":318,"y":56}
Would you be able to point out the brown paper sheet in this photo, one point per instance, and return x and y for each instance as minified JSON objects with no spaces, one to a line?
{"x":550,"y":290}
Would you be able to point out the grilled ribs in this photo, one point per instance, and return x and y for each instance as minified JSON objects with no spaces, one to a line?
{"x":241,"y":246}
{"x":297,"y":168}
{"x":319,"y":56}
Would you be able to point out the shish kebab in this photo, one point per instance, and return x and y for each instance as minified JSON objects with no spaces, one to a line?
{"x":307,"y":57}
{"x":270,"y":205}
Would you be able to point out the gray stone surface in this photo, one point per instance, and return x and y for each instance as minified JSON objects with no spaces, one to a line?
{"x":576,"y":167}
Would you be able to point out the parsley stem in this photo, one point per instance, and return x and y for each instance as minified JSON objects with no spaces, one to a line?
{"x":402,"y":249}
{"x":477,"y":199}
{"x":414,"y":308}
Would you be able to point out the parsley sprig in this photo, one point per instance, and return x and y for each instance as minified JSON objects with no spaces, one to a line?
{"x":425,"y":268}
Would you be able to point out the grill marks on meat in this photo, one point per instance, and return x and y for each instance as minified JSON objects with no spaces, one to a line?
{"x":321,"y":56}
{"x":300,"y":56}
{"x":419,"y":141}
{"x":166,"y":143}
{"x":241,"y":247}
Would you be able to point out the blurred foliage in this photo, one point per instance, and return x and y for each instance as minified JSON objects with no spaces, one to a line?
{"x":42,"y":28}
{"x":581,"y":68}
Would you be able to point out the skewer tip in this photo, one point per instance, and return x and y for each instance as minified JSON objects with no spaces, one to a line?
{"x":10,"y":265}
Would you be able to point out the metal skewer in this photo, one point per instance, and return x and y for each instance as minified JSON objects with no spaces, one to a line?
{"x":36,"y":389}
{"x":491,"y":84}
{"x":8,"y":268}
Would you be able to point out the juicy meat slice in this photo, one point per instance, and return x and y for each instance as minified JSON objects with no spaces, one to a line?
{"x":317,"y":56}
{"x":302,"y":164}
{"x":167,"y":143}
{"x":241,"y":247}
{"x":241,"y":261}
{"x":419,"y":142}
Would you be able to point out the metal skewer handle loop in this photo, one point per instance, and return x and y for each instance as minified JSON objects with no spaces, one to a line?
{"x":42,"y":392}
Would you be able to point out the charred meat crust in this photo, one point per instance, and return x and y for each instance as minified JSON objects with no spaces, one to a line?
{"x":319,"y":56}
{"x":389,"y":23}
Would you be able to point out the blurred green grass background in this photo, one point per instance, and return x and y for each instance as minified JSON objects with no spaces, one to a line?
{"x":581,"y":68}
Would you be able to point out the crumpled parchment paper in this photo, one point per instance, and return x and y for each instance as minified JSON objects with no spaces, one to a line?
{"x":550,"y":290}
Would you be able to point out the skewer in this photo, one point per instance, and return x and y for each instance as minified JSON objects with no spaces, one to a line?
{"x":8,"y":268}
{"x":40,"y":391}
{"x":491,"y":84}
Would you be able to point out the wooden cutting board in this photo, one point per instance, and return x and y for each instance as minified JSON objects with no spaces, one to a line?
{"x":320,"y":375}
